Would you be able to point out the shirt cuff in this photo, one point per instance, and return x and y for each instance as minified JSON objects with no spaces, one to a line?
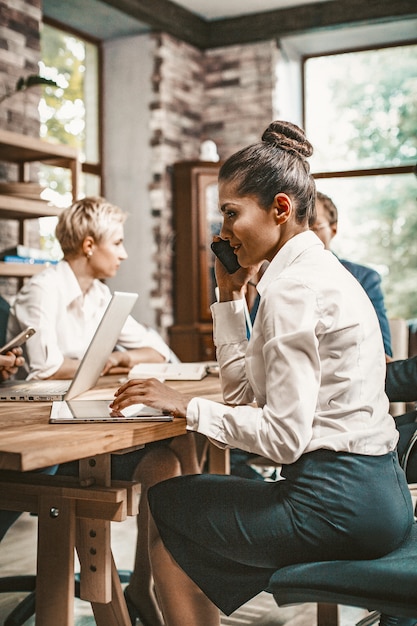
{"x":206,"y":417}
{"x":229,"y":322}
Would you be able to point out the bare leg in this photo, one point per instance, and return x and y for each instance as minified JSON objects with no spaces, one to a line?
{"x":159,"y":464}
{"x":181,"y":601}
{"x":185,"y":449}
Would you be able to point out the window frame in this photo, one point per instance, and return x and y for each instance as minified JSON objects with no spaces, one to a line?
{"x":377,"y":171}
{"x":96,"y":169}
{"x":390,"y":292}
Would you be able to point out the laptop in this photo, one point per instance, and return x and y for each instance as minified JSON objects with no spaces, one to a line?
{"x":92,"y":364}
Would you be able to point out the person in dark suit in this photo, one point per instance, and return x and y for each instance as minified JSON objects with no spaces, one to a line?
{"x":401,"y":378}
{"x":325,"y":227}
{"x":401,"y":386}
{"x":401,"y":381}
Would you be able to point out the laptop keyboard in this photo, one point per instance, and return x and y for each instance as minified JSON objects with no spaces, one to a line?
{"x":33,"y":390}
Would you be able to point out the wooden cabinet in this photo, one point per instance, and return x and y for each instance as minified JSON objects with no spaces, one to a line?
{"x":23,"y":150}
{"x":196,"y":219}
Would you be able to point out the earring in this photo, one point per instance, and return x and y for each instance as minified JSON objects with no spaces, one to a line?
{"x":89,"y":254}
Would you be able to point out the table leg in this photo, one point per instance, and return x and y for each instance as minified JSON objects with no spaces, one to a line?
{"x":115,"y":613}
{"x":94,"y":553}
{"x":55,"y":562}
{"x":100,"y":583}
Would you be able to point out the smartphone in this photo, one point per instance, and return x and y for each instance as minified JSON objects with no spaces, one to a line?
{"x":224,"y":251}
{"x":18,"y":340}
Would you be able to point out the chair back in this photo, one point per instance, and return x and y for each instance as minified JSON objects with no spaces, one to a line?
{"x":4,"y":316}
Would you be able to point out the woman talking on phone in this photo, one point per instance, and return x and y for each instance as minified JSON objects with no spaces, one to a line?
{"x":315,"y":366}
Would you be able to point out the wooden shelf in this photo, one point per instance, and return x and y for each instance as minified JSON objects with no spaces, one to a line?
{"x":22,"y":150}
{"x":16,"y":148}
{"x":20,"y":270}
{"x":15,"y":207}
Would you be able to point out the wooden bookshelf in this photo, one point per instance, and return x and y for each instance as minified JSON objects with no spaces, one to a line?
{"x":23,"y":150}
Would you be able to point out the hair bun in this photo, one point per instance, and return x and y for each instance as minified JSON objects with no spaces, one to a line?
{"x":289,"y":137}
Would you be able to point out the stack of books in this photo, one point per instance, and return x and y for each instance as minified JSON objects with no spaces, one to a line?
{"x":24,"y":254}
{"x":170,"y":371}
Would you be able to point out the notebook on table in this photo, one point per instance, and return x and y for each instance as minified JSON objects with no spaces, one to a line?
{"x":170,"y":371}
{"x":80,"y":411}
{"x":91,"y":365}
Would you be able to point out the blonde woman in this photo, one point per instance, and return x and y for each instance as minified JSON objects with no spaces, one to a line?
{"x":65,"y":304}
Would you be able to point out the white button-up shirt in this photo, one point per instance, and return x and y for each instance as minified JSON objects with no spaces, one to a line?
{"x":315,"y":364}
{"x":65,"y":320}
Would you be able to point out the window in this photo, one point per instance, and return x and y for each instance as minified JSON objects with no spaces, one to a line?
{"x":69,"y":115}
{"x":361,"y":117}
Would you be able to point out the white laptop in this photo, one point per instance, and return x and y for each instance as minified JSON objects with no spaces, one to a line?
{"x":92,"y":364}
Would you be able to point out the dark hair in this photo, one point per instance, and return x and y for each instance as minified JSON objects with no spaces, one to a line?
{"x":329,"y":206}
{"x":275,"y":164}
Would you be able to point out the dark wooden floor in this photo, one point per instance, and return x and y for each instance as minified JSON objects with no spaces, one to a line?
{"x":18,"y":555}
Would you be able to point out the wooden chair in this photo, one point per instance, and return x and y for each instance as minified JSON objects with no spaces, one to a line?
{"x":26,"y":608}
{"x":27,"y":583}
{"x":26,"y":490}
{"x":387,"y":585}
{"x":4,"y":316}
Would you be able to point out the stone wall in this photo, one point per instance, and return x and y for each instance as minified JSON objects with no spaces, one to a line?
{"x":176,"y":126}
{"x":20,"y":22}
{"x":225,"y":95}
{"x":238,"y":94}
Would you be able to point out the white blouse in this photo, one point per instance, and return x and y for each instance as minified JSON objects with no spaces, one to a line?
{"x":315,"y":364}
{"x":65,"y":320}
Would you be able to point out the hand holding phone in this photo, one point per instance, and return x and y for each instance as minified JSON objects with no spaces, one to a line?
{"x":18,"y":340}
{"x":224,"y":251}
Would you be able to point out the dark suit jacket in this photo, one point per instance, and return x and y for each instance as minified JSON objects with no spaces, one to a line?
{"x":371,"y":282}
{"x":401,"y":380}
{"x":401,"y":386}
{"x":4,"y":316}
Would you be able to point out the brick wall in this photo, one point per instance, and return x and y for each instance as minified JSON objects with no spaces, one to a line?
{"x":20,"y":52}
{"x":239,"y":88}
{"x":225,"y":95}
{"x":176,"y":125}
{"x":19,"y":55}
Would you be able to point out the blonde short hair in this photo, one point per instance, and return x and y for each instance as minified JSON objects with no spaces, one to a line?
{"x":93,"y":216}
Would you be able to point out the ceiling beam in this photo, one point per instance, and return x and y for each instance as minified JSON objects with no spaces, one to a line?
{"x":308,"y":18}
{"x":169,"y":17}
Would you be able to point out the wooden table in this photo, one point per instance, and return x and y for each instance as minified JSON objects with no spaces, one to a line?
{"x":76,"y":512}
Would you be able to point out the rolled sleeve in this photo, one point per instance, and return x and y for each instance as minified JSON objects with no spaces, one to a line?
{"x":206,"y":417}
{"x":229,"y":323}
